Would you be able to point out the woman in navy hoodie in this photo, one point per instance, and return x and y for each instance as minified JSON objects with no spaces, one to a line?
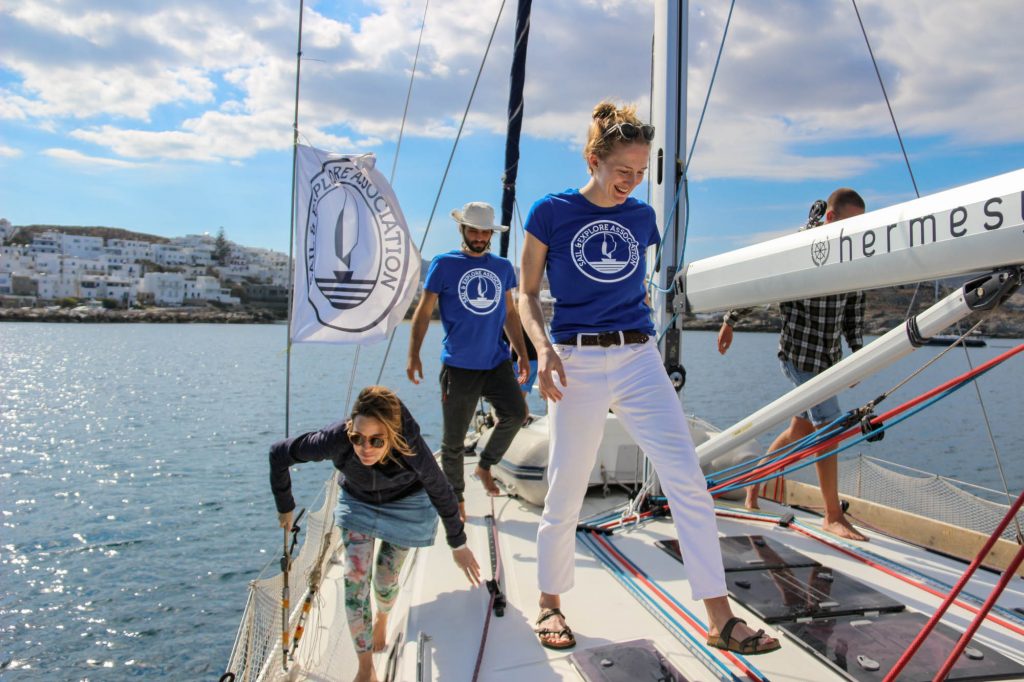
{"x":392,"y":490}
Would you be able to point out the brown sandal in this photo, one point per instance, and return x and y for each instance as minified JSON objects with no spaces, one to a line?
{"x":564,"y":632}
{"x":749,"y":646}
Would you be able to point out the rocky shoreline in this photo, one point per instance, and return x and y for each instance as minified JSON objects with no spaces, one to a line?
{"x":147,"y":315}
{"x":886,"y":308}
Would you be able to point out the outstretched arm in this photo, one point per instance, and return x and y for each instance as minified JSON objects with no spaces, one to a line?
{"x":514,"y":332}
{"x":531,"y":265}
{"x":420,"y":323}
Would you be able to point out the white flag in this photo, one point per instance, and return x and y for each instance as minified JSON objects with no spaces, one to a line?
{"x":356,"y":268}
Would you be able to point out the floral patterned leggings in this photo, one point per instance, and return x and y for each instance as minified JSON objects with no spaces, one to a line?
{"x":359,"y":571}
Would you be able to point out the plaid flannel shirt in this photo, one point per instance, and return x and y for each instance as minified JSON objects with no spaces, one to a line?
{"x":812,"y":329}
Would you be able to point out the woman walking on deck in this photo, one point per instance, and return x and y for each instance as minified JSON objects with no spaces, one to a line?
{"x":393,"y":491}
{"x":592,"y":242}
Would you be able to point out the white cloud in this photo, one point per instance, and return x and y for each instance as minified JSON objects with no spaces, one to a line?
{"x":9,"y":152}
{"x":78,"y":158}
{"x":187,"y":79}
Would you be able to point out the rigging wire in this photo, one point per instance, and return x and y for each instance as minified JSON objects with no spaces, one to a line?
{"x":448,"y":166}
{"x":408,"y":94}
{"x":686,"y":167}
{"x":291,"y":229}
{"x":967,"y":354}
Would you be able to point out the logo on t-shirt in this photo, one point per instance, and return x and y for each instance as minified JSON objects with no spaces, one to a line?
{"x":605,"y":251}
{"x":480,"y":291}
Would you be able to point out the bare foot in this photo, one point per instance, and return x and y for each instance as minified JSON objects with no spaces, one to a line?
{"x":752,"y":497}
{"x":844,"y":529}
{"x":380,"y":632}
{"x":462,"y":511}
{"x":485,"y":477}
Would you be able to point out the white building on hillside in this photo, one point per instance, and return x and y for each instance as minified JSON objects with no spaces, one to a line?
{"x":167,"y":288}
{"x":204,"y":288}
{"x":81,"y":246}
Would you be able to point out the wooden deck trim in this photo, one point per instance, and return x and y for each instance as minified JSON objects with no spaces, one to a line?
{"x":919,"y":530}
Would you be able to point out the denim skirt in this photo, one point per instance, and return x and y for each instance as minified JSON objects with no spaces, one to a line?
{"x":407,"y":522}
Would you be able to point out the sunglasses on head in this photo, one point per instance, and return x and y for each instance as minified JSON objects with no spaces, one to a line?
{"x":630,"y":131}
{"x":360,"y":440}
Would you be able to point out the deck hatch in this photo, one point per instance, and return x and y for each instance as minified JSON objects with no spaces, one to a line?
{"x":629,"y":661}
{"x":749,"y":553}
{"x":786,"y":594}
{"x":851,"y":644}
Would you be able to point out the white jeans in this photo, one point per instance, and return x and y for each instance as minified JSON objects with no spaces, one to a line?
{"x":631,"y":381}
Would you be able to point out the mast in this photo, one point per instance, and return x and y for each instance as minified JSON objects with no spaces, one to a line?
{"x":515,"y":120}
{"x":668,"y":103}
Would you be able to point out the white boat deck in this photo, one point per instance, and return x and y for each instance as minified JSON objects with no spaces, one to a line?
{"x":601,"y":611}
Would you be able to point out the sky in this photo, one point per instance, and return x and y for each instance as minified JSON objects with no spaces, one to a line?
{"x":176,"y":117}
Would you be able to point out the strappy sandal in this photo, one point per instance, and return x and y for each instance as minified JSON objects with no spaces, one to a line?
{"x":543,"y":632}
{"x":749,"y":646}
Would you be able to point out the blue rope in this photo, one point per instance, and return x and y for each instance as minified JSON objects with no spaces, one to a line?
{"x":928,"y":403}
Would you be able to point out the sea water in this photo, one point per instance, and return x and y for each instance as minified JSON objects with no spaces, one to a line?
{"x":134,"y":494}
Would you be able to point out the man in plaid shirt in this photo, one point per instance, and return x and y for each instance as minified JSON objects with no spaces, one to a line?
{"x":811,"y":342}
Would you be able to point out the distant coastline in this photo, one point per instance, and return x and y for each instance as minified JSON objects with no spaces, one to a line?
{"x":185,"y":315}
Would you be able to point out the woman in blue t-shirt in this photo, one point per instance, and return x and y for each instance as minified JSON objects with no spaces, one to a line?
{"x":592,"y":242}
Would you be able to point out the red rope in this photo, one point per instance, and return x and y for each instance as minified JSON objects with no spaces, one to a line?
{"x":824,"y":446}
{"x":989,"y":603}
{"x":888,"y":571}
{"x":957,"y":589}
{"x":700,"y":630}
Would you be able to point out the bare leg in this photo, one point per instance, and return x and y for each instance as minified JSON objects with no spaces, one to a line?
{"x":366,"y":673}
{"x":380,"y":632}
{"x":835,"y":521}
{"x":798,"y":428}
{"x":719,"y":612}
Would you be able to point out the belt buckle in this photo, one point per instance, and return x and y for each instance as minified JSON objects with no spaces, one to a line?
{"x":608,"y":339}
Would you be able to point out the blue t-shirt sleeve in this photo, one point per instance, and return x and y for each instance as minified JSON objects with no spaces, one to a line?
{"x":538,"y":221}
{"x":655,"y":236}
{"x":434,"y":282}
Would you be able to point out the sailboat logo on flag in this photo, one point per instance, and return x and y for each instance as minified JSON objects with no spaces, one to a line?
{"x":358,"y":269}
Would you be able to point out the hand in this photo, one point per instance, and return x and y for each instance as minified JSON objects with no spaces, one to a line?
{"x":523,"y":372}
{"x":414,"y":368}
{"x":467,"y":562}
{"x":285,"y":519}
{"x":548,"y":362}
{"x":724,"y":338}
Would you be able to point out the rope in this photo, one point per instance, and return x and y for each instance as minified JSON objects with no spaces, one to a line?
{"x":937,"y":616}
{"x":494,"y":592}
{"x":447,"y":168}
{"x":892,"y":568}
{"x":408,"y":94}
{"x":774,"y":469}
{"x":633,"y":577}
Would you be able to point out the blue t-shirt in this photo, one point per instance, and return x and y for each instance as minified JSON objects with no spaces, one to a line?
{"x":471,"y":294}
{"x":596,"y":262}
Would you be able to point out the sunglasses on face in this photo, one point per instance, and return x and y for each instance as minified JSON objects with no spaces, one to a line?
{"x":360,"y":440}
{"x":630,"y":131}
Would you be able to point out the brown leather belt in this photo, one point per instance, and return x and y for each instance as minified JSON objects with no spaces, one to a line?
{"x":604,"y":339}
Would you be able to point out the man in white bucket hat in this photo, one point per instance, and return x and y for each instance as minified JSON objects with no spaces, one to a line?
{"x":474,"y":290}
